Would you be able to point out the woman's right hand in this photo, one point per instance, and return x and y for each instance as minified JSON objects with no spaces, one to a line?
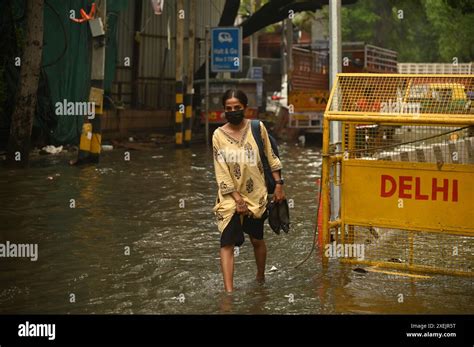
{"x":242,"y":207}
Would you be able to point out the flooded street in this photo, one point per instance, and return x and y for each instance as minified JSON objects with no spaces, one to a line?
{"x":142,"y":239}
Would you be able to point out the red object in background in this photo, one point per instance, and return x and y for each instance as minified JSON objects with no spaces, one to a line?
{"x":85,"y":17}
{"x":368,"y":105}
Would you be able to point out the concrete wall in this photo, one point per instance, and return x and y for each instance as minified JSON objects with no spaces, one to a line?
{"x":123,"y":122}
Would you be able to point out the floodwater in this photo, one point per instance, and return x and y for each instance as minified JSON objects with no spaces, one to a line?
{"x":141,"y":239}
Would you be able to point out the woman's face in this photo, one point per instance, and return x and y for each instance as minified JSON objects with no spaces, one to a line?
{"x":233,"y":104}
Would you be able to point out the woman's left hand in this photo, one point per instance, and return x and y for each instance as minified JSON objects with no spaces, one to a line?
{"x":278,"y":194}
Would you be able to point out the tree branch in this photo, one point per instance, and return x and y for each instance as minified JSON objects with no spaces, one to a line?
{"x":231,"y":9}
{"x":278,"y":10}
{"x":272,"y":12}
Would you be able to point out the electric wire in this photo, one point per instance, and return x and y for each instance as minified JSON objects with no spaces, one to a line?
{"x":316,"y":226}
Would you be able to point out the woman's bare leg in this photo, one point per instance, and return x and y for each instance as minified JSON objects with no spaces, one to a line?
{"x":227,"y":265}
{"x":260,"y":251}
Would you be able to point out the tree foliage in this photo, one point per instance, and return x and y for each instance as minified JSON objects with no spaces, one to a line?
{"x":454,"y":26}
{"x":419,"y":30}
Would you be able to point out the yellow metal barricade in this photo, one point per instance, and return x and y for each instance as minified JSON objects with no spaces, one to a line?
{"x":405,"y":172}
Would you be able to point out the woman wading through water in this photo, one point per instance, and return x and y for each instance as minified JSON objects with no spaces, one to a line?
{"x":242,"y":195}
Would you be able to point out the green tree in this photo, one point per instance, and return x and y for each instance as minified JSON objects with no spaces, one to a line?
{"x":419,"y":30}
{"x":454,"y":26}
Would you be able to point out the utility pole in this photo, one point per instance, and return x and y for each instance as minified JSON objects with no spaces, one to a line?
{"x":180,"y":108}
{"x":91,"y":137}
{"x":255,"y":5}
{"x":289,"y":40}
{"x":335,"y":68}
{"x":287,"y":54}
{"x":251,"y":39}
{"x":188,"y":100}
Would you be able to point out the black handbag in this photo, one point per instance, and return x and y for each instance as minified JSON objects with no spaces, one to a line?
{"x":279,"y":216}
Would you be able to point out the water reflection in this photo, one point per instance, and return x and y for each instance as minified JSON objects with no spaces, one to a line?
{"x":142,"y":233}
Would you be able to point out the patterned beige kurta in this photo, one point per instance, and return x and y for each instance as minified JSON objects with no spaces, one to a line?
{"x":238,"y":168}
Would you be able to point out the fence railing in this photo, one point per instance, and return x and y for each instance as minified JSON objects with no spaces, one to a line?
{"x":405,"y":172}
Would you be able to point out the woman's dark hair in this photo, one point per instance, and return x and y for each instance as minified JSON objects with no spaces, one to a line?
{"x":235,"y":93}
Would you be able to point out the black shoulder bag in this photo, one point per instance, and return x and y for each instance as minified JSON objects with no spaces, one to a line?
{"x":278,"y":214}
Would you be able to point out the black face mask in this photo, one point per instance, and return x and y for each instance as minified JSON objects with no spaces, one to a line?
{"x":235,"y":117}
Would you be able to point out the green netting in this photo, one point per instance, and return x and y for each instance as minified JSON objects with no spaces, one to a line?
{"x":67,"y":62}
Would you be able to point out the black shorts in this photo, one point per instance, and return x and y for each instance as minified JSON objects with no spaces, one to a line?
{"x":233,"y":234}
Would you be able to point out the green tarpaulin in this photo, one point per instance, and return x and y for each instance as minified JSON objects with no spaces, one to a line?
{"x":67,"y":62}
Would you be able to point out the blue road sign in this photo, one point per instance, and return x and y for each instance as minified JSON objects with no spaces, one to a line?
{"x":226,"y":49}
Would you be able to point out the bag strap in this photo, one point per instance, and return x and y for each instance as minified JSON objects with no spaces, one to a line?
{"x":257,"y":135}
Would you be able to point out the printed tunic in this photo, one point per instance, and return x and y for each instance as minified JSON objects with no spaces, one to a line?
{"x":238,"y":167}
